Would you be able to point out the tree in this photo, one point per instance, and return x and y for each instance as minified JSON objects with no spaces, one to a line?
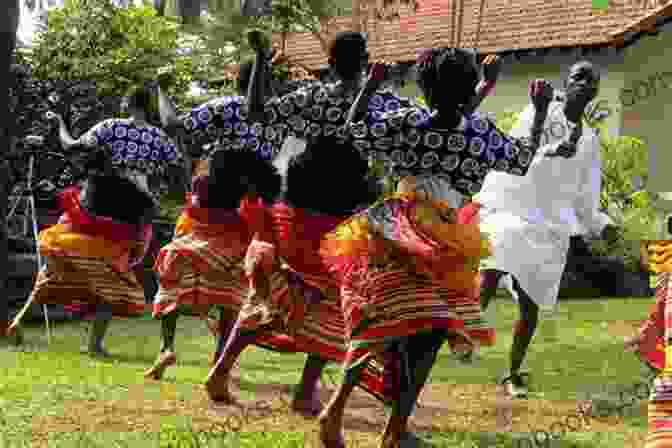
{"x":9,"y":23}
{"x":112,"y":47}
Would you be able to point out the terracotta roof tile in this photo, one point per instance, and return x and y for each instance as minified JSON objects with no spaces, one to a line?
{"x":506,"y":25}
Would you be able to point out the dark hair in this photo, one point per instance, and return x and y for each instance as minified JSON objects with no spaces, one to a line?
{"x":329,"y":177}
{"x":140,"y":97}
{"x":232,"y":175}
{"x":439,"y":66}
{"x":344,"y":53}
{"x":102,"y":193}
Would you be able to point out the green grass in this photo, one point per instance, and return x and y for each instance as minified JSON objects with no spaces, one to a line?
{"x":54,"y":396}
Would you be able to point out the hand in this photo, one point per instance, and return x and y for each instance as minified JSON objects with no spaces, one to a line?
{"x":492,"y":67}
{"x":563,"y":149}
{"x":541,"y":93}
{"x":258,"y":40}
{"x":610,"y":233}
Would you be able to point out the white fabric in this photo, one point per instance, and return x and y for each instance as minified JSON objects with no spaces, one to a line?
{"x":530,"y":219}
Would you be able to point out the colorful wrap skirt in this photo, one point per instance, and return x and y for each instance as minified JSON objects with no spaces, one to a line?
{"x":85,"y":271}
{"x":657,"y":330}
{"x":203,"y":266}
{"x":406,"y":266}
{"x":307,"y":314}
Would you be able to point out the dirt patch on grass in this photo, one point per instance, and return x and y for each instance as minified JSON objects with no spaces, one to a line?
{"x":623,"y":328}
{"x":442,"y":407}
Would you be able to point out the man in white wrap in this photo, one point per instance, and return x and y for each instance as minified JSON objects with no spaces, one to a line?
{"x":530,"y":218}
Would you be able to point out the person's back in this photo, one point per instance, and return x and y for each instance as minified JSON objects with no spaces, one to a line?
{"x":325,"y":185}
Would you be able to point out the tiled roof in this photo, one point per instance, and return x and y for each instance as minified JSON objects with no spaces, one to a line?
{"x":645,"y":23}
{"x":506,"y":25}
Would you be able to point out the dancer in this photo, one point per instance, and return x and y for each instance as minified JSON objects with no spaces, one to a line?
{"x":409,"y":245}
{"x":307,"y":317}
{"x":656,"y":331}
{"x":202,"y":267}
{"x":531,"y":218}
{"x":87,"y":253}
{"x":649,"y":342}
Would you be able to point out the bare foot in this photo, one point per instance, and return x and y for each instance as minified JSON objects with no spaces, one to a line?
{"x":213,"y":326}
{"x":165,"y":360}
{"x":331,"y":435}
{"x":217,"y":387}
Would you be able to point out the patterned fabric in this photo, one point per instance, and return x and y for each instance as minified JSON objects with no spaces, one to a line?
{"x":651,"y":348}
{"x":203,"y":265}
{"x":404,"y":271}
{"x":133,"y":144}
{"x":86,"y":270}
{"x":660,"y":414}
{"x":409,"y":143}
{"x":307,"y":313}
{"x":309,"y":111}
{"x":660,"y":401}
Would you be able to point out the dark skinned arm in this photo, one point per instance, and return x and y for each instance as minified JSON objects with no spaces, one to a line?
{"x":255,"y":92}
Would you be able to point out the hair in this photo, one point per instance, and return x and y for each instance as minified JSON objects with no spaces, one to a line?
{"x":446,"y":64}
{"x":234,"y":174}
{"x":329,"y":177}
{"x":139,"y":97}
{"x":102,"y":193}
{"x":344,"y":52}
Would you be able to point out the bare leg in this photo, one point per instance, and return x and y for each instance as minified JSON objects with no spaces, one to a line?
{"x":167,"y":356}
{"x":217,"y":382}
{"x":422,"y":350}
{"x":307,"y":400}
{"x":525,"y":328}
{"x":489,"y":280}
{"x":98,"y":330}
{"x":331,"y":418}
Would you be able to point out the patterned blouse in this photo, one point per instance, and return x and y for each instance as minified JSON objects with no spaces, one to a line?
{"x":134,"y":144}
{"x":309,"y":111}
{"x":407,"y":141}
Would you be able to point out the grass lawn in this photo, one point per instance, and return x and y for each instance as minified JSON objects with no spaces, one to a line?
{"x":58,"y":397}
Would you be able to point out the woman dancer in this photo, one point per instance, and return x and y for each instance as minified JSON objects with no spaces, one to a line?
{"x":202,"y":266}
{"x":308,"y":317}
{"x":87,"y":253}
{"x":657,"y":330}
{"x":407,"y":246}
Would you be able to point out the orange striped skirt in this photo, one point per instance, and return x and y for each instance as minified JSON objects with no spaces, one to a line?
{"x":196,"y":274}
{"x":660,"y":414}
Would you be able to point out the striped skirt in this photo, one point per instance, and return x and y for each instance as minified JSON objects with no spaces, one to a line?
{"x":196,"y":274}
{"x":86,"y":282}
{"x":660,"y":414}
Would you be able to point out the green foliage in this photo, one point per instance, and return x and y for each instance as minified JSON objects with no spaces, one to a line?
{"x":114,"y":47}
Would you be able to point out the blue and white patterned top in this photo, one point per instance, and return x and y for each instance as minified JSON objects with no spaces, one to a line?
{"x":307,"y":112}
{"x":134,"y":144}
{"x":408,"y":142}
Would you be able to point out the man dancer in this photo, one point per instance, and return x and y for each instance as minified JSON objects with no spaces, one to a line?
{"x":530,"y":219}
